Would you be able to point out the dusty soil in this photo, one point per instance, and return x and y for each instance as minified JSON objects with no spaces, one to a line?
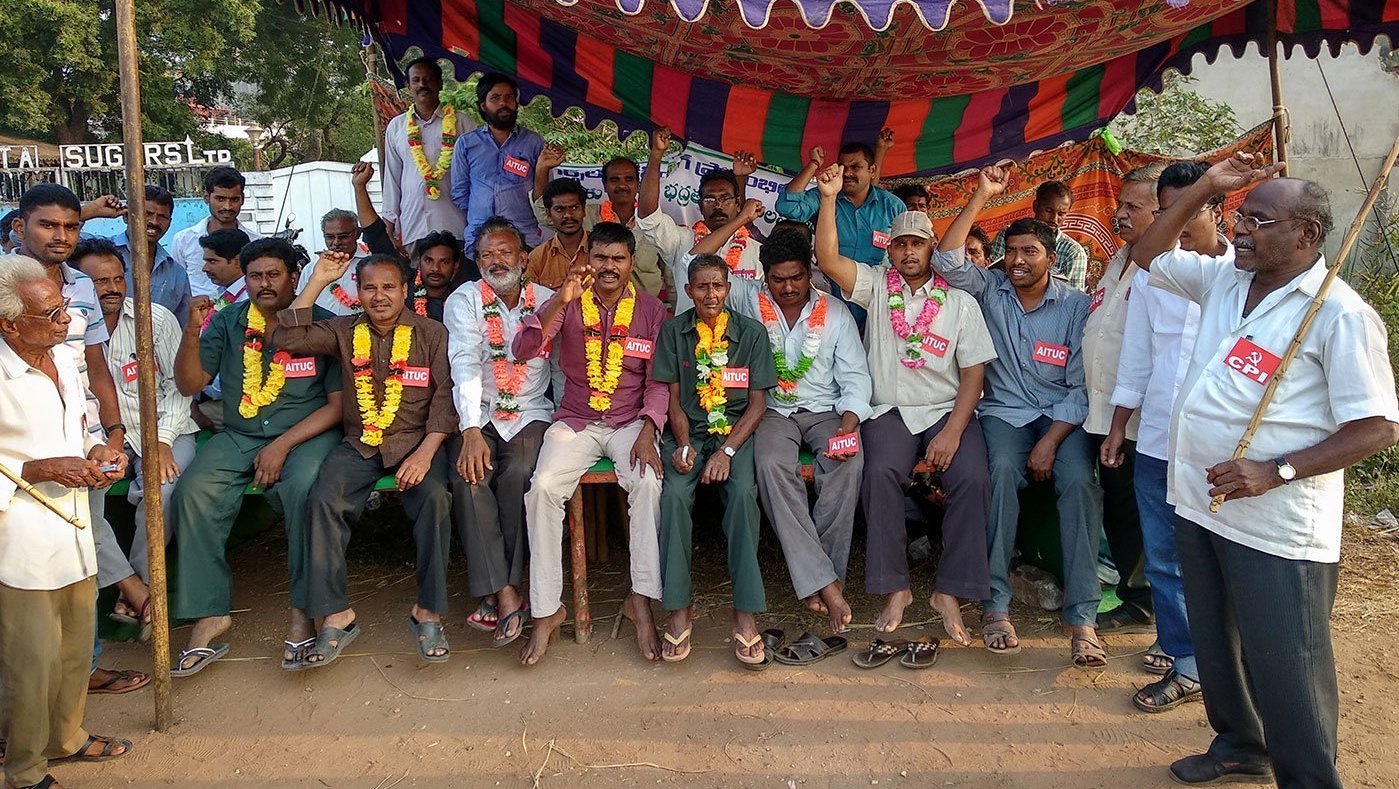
{"x":598,"y":715}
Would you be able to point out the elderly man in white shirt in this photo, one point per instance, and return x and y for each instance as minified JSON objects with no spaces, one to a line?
{"x":417,"y":192}
{"x":1274,"y":544}
{"x":48,"y":566}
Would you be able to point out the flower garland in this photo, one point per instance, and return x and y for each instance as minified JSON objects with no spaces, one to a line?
{"x":734,"y":254}
{"x":788,"y":377}
{"x":509,"y":374}
{"x":603,"y":378}
{"x":420,"y":295}
{"x":711,"y":356}
{"x":228,"y":297}
{"x":433,"y":174}
{"x":258,"y":391}
{"x":913,"y":336}
{"x":344,"y":297}
{"x":375,"y":418}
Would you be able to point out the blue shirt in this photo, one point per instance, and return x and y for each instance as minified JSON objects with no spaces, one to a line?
{"x":482,"y":187}
{"x":1025,"y":381}
{"x":169,"y":280}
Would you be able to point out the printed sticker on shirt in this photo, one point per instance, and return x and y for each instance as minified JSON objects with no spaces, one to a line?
{"x":417,"y":377}
{"x":847,"y":444}
{"x":637,"y":348}
{"x":1097,"y":300}
{"x":297,"y":366}
{"x":1252,"y":362}
{"x":1049,"y":353}
{"x":745,"y":274}
{"x":881,"y":239}
{"x":545,"y":349}
{"x":128,"y":371}
{"x":936,"y":345}
{"x":735,"y":377}
{"x":515,"y":166}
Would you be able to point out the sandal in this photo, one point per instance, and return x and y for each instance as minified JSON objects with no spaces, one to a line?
{"x":330,"y":642}
{"x":920,"y":654}
{"x":1156,"y":661}
{"x":772,"y":641}
{"x":204,"y":656}
{"x":810,"y":649}
{"x":1166,"y":693}
{"x":109,"y":687}
{"x":48,"y":782}
{"x":141,"y":620}
{"x":997,"y":627}
{"x":486,"y":617}
{"x":503,"y":626}
{"x":879,"y":653}
{"x":429,"y":636}
{"x":676,"y":641}
{"x":298,"y":650}
{"x":1088,"y":652}
{"x":109,"y":744}
{"x":746,"y":642}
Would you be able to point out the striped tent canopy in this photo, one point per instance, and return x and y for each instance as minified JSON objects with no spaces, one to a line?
{"x":960,"y":82}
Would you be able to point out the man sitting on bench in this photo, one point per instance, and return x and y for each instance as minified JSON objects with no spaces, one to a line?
{"x":280,"y":421}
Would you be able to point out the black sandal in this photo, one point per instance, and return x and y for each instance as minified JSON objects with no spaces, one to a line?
{"x":810,"y":649}
{"x":1166,"y":693}
{"x":109,"y":744}
{"x":920,"y":654}
{"x":879,"y":653}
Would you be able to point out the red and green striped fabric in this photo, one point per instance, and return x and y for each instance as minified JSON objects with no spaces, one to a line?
{"x":609,"y":79}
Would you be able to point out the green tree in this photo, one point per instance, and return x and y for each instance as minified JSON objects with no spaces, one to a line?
{"x":1177,"y":121}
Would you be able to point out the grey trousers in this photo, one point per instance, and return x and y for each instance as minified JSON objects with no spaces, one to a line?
{"x":338,"y":500}
{"x":112,"y":564}
{"x":490,"y":515}
{"x":182,"y":449}
{"x":1261,"y":626}
{"x":815,"y":542}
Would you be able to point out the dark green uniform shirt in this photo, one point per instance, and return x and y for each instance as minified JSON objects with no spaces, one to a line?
{"x":748,"y":349}
{"x":221,"y":354}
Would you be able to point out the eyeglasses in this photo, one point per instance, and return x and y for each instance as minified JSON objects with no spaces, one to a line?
{"x":1252,"y":223}
{"x":1160,"y":211}
{"x":725,"y":200}
{"x":52,"y":315}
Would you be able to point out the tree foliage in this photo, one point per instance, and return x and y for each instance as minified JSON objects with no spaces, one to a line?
{"x":1177,"y":121}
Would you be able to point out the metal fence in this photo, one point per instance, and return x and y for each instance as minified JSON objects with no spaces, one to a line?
{"x":90,"y":184}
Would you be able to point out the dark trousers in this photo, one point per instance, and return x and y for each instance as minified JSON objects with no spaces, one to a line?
{"x":890,"y":454}
{"x":338,"y":500}
{"x":1262,"y":633}
{"x":1122,"y":525}
{"x":490,"y":515}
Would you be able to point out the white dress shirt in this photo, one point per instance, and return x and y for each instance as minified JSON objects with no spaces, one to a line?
{"x":39,"y":550}
{"x":1341,"y":374}
{"x":675,"y":242}
{"x":326,"y":299}
{"x":1157,"y":342}
{"x":1102,"y":342}
{"x":469,"y":351}
{"x":406,"y":204}
{"x":172,"y":408}
{"x":185,"y":249}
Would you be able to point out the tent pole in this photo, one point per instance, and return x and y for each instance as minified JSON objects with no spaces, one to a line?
{"x":130,"y":76}
{"x":1282,"y":119}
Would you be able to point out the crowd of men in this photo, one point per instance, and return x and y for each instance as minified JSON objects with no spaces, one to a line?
{"x":441,"y":338}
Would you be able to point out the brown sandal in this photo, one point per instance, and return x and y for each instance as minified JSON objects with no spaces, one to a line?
{"x":996,"y":626}
{"x":1088,"y":652}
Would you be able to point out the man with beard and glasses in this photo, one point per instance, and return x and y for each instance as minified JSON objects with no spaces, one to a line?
{"x":281,"y":420}
{"x":1031,"y":415}
{"x":419,"y":160}
{"x":551,"y":262}
{"x":1053,"y":201}
{"x":224,"y":194}
{"x":341,"y":231}
{"x":928,"y":349}
{"x":721,"y":195}
{"x":605,"y":334}
{"x":620,"y":180}
{"x":503,"y":410}
{"x":101,"y":261}
{"x":400,"y":415}
{"x":495,"y":162}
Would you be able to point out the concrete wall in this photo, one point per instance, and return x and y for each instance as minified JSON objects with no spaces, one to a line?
{"x":1366,"y":96}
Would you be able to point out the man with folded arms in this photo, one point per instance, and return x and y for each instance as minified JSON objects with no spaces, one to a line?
{"x":606,"y":332}
{"x":395,"y":364}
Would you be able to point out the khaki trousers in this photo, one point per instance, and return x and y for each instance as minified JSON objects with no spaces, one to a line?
{"x":45,"y":656}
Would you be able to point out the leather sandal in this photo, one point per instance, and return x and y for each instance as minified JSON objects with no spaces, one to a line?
{"x":1166,"y":693}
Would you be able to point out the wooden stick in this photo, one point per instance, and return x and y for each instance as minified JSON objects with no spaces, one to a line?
{"x":1282,"y":119}
{"x":130,"y":77}
{"x":23,"y":484}
{"x":1347,"y":244}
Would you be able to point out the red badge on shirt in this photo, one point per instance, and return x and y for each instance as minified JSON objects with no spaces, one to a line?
{"x":1097,"y":300}
{"x":297,"y":366}
{"x":515,"y":166}
{"x":744,"y":273}
{"x":847,"y":444}
{"x":128,"y":371}
{"x":637,"y":348}
{"x":417,"y":377}
{"x":1252,"y":362}
{"x":545,"y":349}
{"x":936,"y":345}
{"x":1048,"y":353}
{"x":735,"y":378}
{"x":880,"y":239}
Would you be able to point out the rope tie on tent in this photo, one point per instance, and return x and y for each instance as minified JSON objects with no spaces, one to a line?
{"x":1283,"y":116}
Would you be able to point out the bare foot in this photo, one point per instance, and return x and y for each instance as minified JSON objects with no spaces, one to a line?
{"x":838,"y":610}
{"x":203,"y":634}
{"x":815,"y":604}
{"x":951,"y":612}
{"x":546,"y":632}
{"x":301,"y":629}
{"x":678,"y":624}
{"x":637,"y":608}
{"x":746,"y":626}
{"x":893,"y":614}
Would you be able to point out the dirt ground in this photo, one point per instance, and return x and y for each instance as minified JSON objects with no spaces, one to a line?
{"x":598,"y":715}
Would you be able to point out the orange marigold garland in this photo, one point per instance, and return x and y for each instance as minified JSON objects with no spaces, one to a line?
{"x":711,"y":356}
{"x":509,"y":373}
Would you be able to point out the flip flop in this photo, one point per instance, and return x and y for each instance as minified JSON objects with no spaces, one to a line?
{"x":205,"y":655}
{"x":879,"y":653}
{"x":676,"y":641}
{"x":330,"y":642}
{"x":109,"y":744}
{"x":121,"y":676}
{"x":503,"y":626}
{"x":485,"y":618}
{"x":429,"y":636}
{"x":298,"y":649}
{"x":140,"y":620}
{"x":772,"y":639}
{"x":811,"y":649}
{"x":920,"y":654}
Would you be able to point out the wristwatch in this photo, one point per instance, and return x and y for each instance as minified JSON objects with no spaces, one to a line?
{"x":730,"y":451}
{"x":1285,"y":470}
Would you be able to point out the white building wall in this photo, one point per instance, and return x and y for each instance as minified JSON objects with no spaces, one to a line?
{"x":303,"y":194}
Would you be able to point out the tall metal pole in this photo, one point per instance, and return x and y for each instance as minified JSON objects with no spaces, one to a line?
{"x":1282,"y":119}
{"x":145,"y":348}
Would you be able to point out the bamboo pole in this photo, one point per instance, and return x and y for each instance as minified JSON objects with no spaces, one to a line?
{"x":23,"y":484}
{"x":1347,"y":244}
{"x":1282,"y":119}
{"x":145,"y":349}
